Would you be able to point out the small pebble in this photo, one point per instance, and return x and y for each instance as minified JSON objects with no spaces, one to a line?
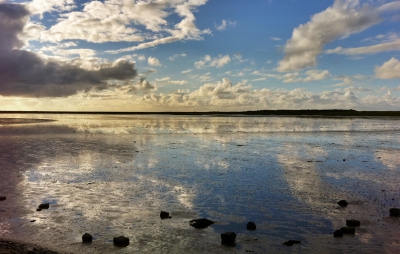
{"x":343,"y":203}
{"x":2,"y":198}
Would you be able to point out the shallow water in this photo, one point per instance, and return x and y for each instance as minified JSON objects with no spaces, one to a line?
{"x":111,"y":175}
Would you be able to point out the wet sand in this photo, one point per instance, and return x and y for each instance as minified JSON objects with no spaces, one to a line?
{"x":7,"y":247}
{"x":112,"y":175}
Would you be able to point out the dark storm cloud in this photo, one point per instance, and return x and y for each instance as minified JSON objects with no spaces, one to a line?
{"x":13,"y":18}
{"x":23,"y":73}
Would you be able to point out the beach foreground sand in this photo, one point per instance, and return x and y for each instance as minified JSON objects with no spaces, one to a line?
{"x":8,"y":247}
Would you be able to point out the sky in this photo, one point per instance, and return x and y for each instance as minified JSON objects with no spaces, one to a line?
{"x":199,"y":55}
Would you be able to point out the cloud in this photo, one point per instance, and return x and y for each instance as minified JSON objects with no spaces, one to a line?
{"x":377,"y":48}
{"x":41,"y":6}
{"x":225,"y":24}
{"x":153,"y":61}
{"x":13,"y":20}
{"x":172,"y":58}
{"x":143,"y":85}
{"x":224,"y":96}
{"x":177,"y":82}
{"x":293,"y":77}
{"x":222,"y":90}
{"x":207,"y":61}
{"x":340,"y":20}
{"x":167,"y":80}
{"x":314,"y":75}
{"x":153,"y":16}
{"x":23,"y":73}
{"x":258,"y":79}
{"x":389,"y":69}
{"x":275,"y":38}
{"x":187,"y":71}
{"x":202,"y":78}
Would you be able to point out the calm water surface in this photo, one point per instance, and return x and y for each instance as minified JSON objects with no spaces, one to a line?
{"x":111,"y":175}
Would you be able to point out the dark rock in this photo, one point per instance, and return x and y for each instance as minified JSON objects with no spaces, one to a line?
{"x":228,"y":238}
{"x":165,"y":215}
{"x":201,"y":223}
{"x":2,"y":198}
{"x":394,"y":212}
{"x":343,"y":203}
{"x":87,"y":238}
{"x":33,"y":220}
{"x":291,"y":242}
{"x":348,"y":230}
{"x":38,"y":209}
{"x":44,"y":206}
{"x":353,"y":223}
{"x":344,"y":159}
{"x":251,"y":226}
{"x":338,"y":233}
{"x":121,"y":241}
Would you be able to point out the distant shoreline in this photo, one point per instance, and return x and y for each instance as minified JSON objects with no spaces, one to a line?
{"x":310,"y":112}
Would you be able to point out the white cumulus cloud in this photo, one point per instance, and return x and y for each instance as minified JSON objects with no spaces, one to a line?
{"x":208,"y":61}
{"x":389,"y":69}
{"x":153,"y":61}
{"x":143,"y":22}
{"x":342,"y":19}
{"x":225,"y":24}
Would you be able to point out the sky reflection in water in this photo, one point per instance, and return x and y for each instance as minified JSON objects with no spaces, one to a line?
{"x":112,"y":175}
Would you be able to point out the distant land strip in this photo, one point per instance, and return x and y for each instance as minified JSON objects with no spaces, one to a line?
{"x":302,"y":112}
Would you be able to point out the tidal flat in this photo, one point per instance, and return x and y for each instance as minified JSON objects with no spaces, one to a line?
{"x":111,"y":175}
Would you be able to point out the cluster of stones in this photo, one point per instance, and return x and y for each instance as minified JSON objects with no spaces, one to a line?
{"x":350,"y":224}
{"x":228,"y":238}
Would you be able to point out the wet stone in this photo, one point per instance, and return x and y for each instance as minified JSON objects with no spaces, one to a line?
{"x":353,"y":223}
{"x":251,"y":226}
{"x":338,"y":233}
{"x":121,"y":241}
{"x":394,"y":212}
{"x":348,"y":230}
{"x":87,"y":238}
{"x":343,"y":203}
{"x":228,"y":238}
{"x":201,"y":223}
{"x":291,"y":242}
{"x":165,"y":215}
{"x":2,"y":198}
{"x":44,"y":206}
